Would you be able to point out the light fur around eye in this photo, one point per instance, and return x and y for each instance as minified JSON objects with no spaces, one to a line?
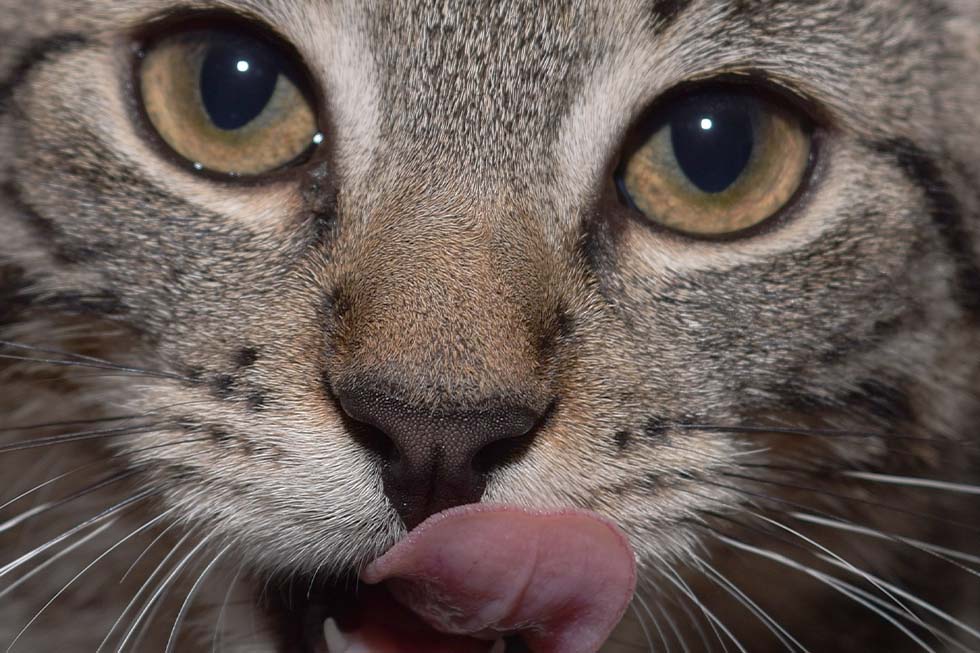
{"x":224,"y":101}
{"x":717,"y":163}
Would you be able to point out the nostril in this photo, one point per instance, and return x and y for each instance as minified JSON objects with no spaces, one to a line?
{"x":363,"y":432}
{"x":373,"y":439}
{"x":434,"y":458}
{"x":500,"y":454}
{"x":506,"y":451}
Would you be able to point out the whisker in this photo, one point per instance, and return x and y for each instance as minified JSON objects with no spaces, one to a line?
{"x":75,"y":422}
{"x":33,"y":512}
{"x":164,"y":586}
{"x":216,"y":640}
{"x":90,"y":361}
{"x":849,"y":589}
{"x":827,"y":433}
{"x":37,"y":379}
{"x":673,"y":627}
{"x":826,"y":519}
{"x":679,"y":583}
{"x":146,"y":550}
{"x":692,"y":618}
{"x":804,"y":507}
{"x":643,"y":627}
{"x":942,"y":553}
{"x":910,"y":481}
{"x":94,"y":562}
{"x":24,"y":516}
{"x":146,"y":583}
{"x":844,"y":497}
{"x":839,"y":582}
{"x":945,"y":616}
{"x":670,"y":622}
{"x":147,"y":624}
{"x":185,"y":606}
{"x":47,"y":563}
{"x":97,"y":366}
{"x":51,"y":350}
{"x":846,"y":565}
{"x":831,"y":581}
{"x":80,"y":436}
{"x":870,"y":600}
{"x":105,"y":514}
{"x":92,"y":464}
{"x":768,"y":621}
{"x":117,"y":418}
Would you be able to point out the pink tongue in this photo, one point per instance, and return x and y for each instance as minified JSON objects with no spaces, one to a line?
{"x":561,"y":579}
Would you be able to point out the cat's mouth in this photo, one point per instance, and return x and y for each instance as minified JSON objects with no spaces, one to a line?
{"x":360,"y":618}
{"x":479,"y":579}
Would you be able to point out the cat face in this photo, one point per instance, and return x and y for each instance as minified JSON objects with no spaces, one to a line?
{"x":453,"y":266}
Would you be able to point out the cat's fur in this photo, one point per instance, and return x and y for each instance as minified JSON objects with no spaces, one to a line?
{"x":455,"y":236}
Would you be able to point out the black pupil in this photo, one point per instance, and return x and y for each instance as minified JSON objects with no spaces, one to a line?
{"x":238,"y":77}
{"x":713,"y":138}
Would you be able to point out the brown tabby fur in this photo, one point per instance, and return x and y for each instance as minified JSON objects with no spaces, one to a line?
{"x":458,"y":238}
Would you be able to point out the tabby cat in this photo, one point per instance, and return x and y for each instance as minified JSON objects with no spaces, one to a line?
{"x":281,"y":280}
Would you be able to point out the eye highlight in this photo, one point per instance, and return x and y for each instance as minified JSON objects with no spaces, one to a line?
{"x":227,"y":100}
{"x":716,"y":162}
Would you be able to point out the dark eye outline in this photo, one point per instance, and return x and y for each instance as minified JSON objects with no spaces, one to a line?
{"x":178,"y":21}
{"x":745,"y":83}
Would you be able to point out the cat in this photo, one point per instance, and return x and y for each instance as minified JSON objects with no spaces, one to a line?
{"x":282,"y":279}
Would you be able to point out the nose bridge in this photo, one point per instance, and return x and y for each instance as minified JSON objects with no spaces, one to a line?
{"x":444,"y":301}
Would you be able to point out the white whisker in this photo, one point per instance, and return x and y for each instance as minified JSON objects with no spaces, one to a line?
{"x":101,"y":557}
{"x":643,"y":627}
{"x":679,"y":583}
{"x":781,"y":634}
{"x":851,"y":589}
{"x":827,"y":579}
{"x":161,"y":588}
{"x":910,"y":481}
{"x":841,"y":562}
{"x":682,"y":604}
{"x":216,"y":640}
{"x":24,"y":516}
{"x":945,"y":616}
{"x":667,"y":618}
{"x":943,"y":552}
{"x":139,"y":592}
{"x":646,"y":633}
{"x":146,"y":550}
{"x":47,"y":563}
{"x":105,"y":514}
{"x":185,"y":606}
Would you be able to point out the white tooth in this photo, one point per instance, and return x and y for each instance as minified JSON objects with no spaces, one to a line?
{"x":499,"y":646}
{"x":337,"y":642}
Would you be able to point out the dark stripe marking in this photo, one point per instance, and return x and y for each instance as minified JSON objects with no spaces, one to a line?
{"x":256,"y":400}
{"x":947,"y":214}
{"x":47,"y":231}
{"x":622,"y":439}
{"x":246,"y":356}
{"x":655,"y":427}
{"x":38,"y":51}
{"x":666,"y":12}
{"x":13,"y":289}
{"x":222,"y":386}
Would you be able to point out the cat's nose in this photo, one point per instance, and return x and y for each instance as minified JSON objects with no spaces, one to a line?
{"x":436,"y":459}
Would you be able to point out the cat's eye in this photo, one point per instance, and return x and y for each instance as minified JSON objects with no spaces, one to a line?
{"x":716,"y":162}
{"x":227,"y":100}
